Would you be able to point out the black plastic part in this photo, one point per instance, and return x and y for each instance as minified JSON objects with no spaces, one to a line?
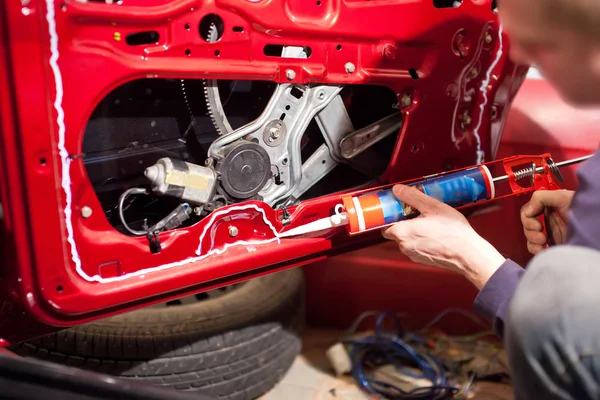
{"x":245,"y":170}
{"x":154,"y":242}
{"x":176,"y":218}
{"x":32,"y":379}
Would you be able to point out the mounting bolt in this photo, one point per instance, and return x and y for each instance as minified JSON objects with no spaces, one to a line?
{"x":488,"y":38}
{"x":86,"y":212}
{"x":474,"y":72}
{"x":321,"y":95}
{"x":290,"y":74}
{"x":233,"y":231}
{"x":389,"y":52}
{"x":467,"y":120}
{"x":350,"y":68}
{"x":406,"y":100}
{"x":117,"y":36}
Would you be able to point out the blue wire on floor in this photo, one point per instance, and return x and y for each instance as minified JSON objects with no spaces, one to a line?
{"x":389,"y":348}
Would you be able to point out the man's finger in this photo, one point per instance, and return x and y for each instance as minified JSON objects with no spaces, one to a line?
{"x":534,"y":248}
{"x":547,"y":198}
{"x":388,"y":233}
{"x":536,"y":237}
{"x":399,"y":230}
{"x":531,"y":223}
{"x":415,"y":198}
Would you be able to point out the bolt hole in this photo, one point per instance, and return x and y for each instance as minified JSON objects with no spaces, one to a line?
{"x":415,"y":149}
{"x":287,"y":107}
{"x":494,"y":6}
{"x":63,"y":7}
{"x":413,"y":74}
{"x":188,"y":52}
{"x":43,"y":161}
{"x":238,"y":29}
{"x":59,"y":288}
{"x":285,"y":161}
{"x":339,"y":47}
{"x":318,"y":3}
{"x":186,"y":27}
{"x":494,"y":113}
{"x":217,"y":53}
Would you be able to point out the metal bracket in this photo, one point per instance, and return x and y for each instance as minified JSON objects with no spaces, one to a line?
{"x":359,"y":141}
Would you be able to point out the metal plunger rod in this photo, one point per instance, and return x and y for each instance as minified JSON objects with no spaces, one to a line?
{"x":541,"y":169}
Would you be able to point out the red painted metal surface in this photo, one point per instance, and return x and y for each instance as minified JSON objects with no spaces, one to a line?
{"x":60,"y":58}
{"x":381,"y":278}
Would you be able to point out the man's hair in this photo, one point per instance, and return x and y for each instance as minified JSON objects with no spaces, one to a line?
{"x":579,"y":16}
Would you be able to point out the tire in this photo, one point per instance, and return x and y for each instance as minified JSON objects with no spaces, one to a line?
{"x":235,"y":346}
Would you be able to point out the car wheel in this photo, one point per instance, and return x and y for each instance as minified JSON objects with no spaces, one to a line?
{"x":234,"y":343}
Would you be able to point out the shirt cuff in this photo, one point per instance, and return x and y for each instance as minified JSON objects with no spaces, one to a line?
{"x":492,"y":300}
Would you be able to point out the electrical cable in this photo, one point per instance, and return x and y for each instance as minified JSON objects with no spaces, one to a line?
{"x":388,"y":347}
{"x":447,"y":311}
{"x":122,"y":199}
{"x":160,"y":225}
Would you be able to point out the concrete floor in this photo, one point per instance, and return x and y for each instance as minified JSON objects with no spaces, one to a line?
{"x":311,"y":377}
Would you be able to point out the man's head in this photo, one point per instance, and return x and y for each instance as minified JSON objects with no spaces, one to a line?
{"x":562,"y":39}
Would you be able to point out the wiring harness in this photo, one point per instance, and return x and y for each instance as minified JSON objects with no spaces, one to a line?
{"x":394,"y":347}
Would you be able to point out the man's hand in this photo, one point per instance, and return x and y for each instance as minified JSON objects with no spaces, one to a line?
{"x":554,"y":204}
{"x":442,"y":237}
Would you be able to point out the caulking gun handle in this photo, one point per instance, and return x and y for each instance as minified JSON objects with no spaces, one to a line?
{"x":543,"y":218}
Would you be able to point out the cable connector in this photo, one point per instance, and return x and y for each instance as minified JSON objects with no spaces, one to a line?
{"x":339,"y":359}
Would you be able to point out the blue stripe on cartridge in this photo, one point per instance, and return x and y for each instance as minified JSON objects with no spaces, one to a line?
{"x":391,"y":206}
{"x":459,"y":188}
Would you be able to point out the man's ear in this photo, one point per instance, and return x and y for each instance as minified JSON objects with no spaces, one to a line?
{"x":596,"y":61}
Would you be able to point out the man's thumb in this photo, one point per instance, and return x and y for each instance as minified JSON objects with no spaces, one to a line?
{"x":413,"y":197}
{"x":547,"y":198}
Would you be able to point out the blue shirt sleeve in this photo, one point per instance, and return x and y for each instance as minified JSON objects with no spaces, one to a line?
{"x":492,"y":301}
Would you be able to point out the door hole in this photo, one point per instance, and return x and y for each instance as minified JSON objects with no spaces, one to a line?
{"x":297,"y":93}
{"x":205,"y":27}
{"x":447,"y":3}
{"x":276,"y":50}
{"x":139,"y":38}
